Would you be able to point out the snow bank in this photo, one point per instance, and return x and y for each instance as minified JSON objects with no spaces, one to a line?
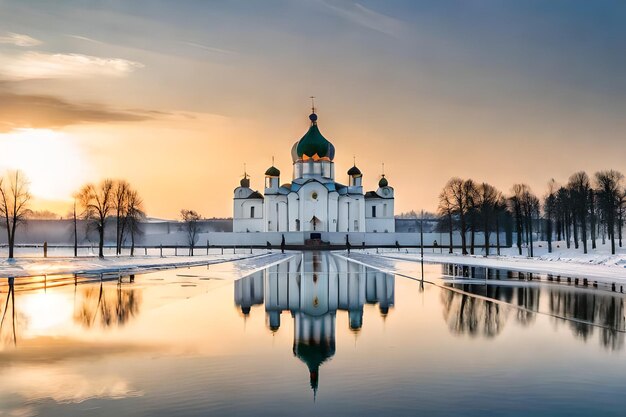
{"x":25,"y":267}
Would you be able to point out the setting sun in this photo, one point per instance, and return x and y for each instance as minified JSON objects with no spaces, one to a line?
{"x":52,"y":161}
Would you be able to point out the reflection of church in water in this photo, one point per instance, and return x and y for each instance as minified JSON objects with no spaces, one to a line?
{"x":313,"y":286}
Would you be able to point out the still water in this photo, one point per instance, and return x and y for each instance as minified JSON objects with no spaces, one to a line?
{"x":310,"y":333}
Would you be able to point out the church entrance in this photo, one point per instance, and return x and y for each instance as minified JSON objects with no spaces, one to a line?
{"x":315,"y":223}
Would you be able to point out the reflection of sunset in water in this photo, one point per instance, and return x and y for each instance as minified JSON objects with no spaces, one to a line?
{"x":45,"y":313}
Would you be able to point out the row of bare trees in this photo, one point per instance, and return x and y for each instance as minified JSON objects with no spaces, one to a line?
{"x":118,"y":200}
{"x":586,"y":208}
{"x":99,"y":204}
{"x":111,"y":199}
{"x":579,"y":211}
{"x":469,"y":207}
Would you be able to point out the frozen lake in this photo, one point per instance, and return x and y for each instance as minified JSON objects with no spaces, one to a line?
{"x":308,"y":334}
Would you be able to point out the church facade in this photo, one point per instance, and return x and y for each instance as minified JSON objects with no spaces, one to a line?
{"x":313,"y":201}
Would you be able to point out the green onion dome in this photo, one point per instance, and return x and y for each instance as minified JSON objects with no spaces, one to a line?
{"x":354,"y":172}
{"x":272,"y":172}
{"x":313,"y":145}
{"x":383,"y":182}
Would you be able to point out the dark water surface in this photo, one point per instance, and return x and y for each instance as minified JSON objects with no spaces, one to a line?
{"x":313,"y":333}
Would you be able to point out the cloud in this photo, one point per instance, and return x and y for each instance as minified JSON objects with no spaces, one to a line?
{"x":19,"y":39}
{"x":42,"y":111}
{"x":208,"y":48}
{"x":84,"y":38}
{"x":39,"y":65}
{"x":363,"y":16}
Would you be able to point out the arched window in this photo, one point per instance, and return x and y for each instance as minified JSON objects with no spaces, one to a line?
{"x":297,"y":225}
{"x":373,"y":211}
{"x":252,"y":212}
{"x":385,"y":210}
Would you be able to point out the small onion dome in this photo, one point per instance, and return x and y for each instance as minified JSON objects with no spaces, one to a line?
{"x":245,"y":182}
{"x":354,"y":172}
{"x":383,"y":182}
{"x":313,"y":145}
{"x":272,"y":172}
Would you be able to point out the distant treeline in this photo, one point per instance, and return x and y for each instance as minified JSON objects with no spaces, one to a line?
{"x":585,"y":209}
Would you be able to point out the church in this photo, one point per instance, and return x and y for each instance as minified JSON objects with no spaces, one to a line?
{"x":313,"y":201}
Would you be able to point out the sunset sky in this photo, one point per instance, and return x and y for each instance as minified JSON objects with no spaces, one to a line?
{"x":175,"y":96}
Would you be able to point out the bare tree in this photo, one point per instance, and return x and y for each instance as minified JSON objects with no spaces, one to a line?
{"x":564,"y":214}
{"x":515,"y":202}
{"x":134,"y":215}
{"x":500,"y":211}
{"x":445,"y":211}
{"x":191,"y":219}
{"x":525,"y":207}
{"x":549,"y":209}
{"x":470,"y":192}
{"x":14,"y":199}
{"x":609,"y":191}
{"x":487,"y":198}
{"x":580,"y":187}
{"x":459,"y":194}
{"x":120,"y":191}
{"x":591,"y":203}
{"x":530,"y":206}
{"x":620,"y":216}
{"x":97,"y":203}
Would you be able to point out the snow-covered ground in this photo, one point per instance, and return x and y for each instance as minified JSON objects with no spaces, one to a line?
{"x":598,"y":264}
{"x":36,"y":266}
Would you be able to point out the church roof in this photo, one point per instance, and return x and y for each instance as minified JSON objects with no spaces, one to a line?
{"x":313,"y":144}
{"x":255,"y":194}
{"x":354,"y":171}
{"x":272,"y":172}
{"x":372,"y":194}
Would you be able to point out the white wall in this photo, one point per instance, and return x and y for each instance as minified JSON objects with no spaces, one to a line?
{"x":384,"y":222}
{"x":351,"y":209}
{"x":310,"y":207}
{"x":338,"y":238}
{"x":242,"y":221}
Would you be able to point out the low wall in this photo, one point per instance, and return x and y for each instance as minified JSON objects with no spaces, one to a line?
{"x":60,"y":232}
{"x":356,"y":239}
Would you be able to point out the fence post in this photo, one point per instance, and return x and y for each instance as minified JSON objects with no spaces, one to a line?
{"x":175,"y":250}
{"x":222,"y":250}
{"x":161,"y":249}
{"x":45,"y":249}
{"x":207,"y":246}
{"x":145,"y":250}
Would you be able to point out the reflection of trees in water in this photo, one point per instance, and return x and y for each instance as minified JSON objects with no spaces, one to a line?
{"x":107,"y":306}
{"x":8,"y":322}
{"x":466,"y":313}
{"x":528,"y":300}
{"x":475,"y":316}
{"x":588,"y":307}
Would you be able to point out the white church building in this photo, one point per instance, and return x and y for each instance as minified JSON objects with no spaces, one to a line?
{"x":313,"y":201}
